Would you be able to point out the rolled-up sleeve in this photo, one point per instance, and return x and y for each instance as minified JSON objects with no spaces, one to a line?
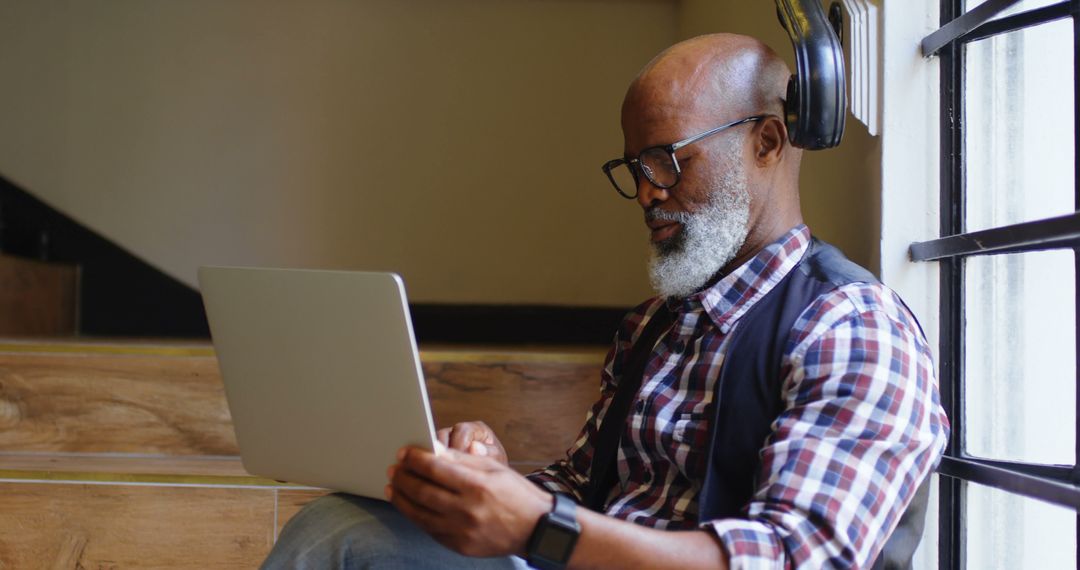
{"x":861,"y":429}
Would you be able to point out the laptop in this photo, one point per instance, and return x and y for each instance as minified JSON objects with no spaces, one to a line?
{"x":321,"y":373}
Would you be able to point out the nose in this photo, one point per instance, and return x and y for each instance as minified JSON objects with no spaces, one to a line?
{"x":648,"y":194}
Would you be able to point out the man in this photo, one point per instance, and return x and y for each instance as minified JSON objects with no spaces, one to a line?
{"x":787,"y":417}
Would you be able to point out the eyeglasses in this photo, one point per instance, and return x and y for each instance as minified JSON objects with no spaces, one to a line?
{"x":657,"y":163}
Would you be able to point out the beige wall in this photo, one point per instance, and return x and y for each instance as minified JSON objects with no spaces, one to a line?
{"x":841,"y":188}
{"x":455,"y":141}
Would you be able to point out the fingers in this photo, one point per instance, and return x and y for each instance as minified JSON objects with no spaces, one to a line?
{"x":464,"y":434}
{"x":473,"y":437}
{"x":472,"y":461}
{"x":415,"y":511}
{"x":469,"y":503}
{"x":478,"y":448}
{"x":438,"y":470}
{"x":492,"y":447}
{"x":408,"y":486}
{"x":454,"y":470}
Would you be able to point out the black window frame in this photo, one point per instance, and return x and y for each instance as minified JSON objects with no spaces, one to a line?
{"x":1056,"y":484}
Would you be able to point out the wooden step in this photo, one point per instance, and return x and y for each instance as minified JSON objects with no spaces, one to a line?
{"x":120,"y":467}
{"x":84,"y":510}
{"x":101,"y":523}
{"x":169,"y":400}
{"x":122,"y":455}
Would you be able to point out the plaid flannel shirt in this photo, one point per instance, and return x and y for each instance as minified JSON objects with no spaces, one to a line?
{"x":862,"y":424}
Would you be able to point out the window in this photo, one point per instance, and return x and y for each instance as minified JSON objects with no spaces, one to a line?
{"x":1010,"y":204}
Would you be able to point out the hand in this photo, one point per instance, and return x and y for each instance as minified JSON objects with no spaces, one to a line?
{"x":475,"y":438}
{"x":471,"y":504}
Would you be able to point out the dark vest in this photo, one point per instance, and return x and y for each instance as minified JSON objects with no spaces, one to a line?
{"x":749,"y":396}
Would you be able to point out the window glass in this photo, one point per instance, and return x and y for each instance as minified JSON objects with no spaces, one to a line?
{"x":1020,"y":378}
{"x":1010,"y":531}
{"x":1019,"y":126}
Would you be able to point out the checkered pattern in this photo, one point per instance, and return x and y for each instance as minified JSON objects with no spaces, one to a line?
{"x":861,"y":429}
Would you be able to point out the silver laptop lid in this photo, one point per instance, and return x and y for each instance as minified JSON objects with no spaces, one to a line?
{"x":321,"y":373}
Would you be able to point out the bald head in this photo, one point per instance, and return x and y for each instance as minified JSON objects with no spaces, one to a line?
{"x":715,"y":78}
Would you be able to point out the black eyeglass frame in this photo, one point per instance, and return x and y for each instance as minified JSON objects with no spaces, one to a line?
{"x":634,"y":164}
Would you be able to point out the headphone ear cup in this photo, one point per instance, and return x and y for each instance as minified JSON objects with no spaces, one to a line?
{"x":816,"y":98}
{"x":791,"y":109}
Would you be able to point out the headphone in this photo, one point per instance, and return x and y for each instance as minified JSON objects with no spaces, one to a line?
{"x":814,"y":109}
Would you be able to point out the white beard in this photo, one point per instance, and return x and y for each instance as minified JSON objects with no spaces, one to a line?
{"x":709,"y":238}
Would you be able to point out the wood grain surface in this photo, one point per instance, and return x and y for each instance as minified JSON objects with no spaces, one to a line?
{"x":118,"y":404}
{"x":117,"y":458}
{"x":535,"y":409}
{"x":37,"y":298}
{"x":48,"y":525}
{"x":166,"y":405}
{"x":42,"y":463}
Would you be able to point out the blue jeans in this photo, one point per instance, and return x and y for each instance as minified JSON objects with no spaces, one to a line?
{"x":346,"y":531}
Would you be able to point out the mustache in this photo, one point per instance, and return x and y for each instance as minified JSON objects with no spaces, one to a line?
{"x":655,"y":214}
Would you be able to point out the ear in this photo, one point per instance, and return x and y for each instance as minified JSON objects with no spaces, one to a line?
{"x":770,"y":141}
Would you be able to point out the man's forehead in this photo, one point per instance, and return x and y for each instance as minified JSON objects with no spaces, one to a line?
{"x":671,"y":112}
{"x":671,"y":86}
{"x":675,"y":88}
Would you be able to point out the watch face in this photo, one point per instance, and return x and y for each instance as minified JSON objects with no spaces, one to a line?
{"x":555,"y":544}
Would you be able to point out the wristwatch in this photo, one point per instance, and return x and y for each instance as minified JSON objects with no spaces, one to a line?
{"x":555,"y":535}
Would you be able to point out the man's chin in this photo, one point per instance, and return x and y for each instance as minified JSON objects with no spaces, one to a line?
{"x":668,"y":246}
{"x":673,"y":274}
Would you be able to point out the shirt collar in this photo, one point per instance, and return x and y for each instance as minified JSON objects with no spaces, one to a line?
{"x":730,"y":297}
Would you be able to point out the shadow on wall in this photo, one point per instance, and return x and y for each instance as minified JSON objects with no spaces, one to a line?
{"x":120,"y":295}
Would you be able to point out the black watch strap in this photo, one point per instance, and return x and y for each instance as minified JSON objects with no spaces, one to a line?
{"x":552,"y":541}
{"x":565,"y":509}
